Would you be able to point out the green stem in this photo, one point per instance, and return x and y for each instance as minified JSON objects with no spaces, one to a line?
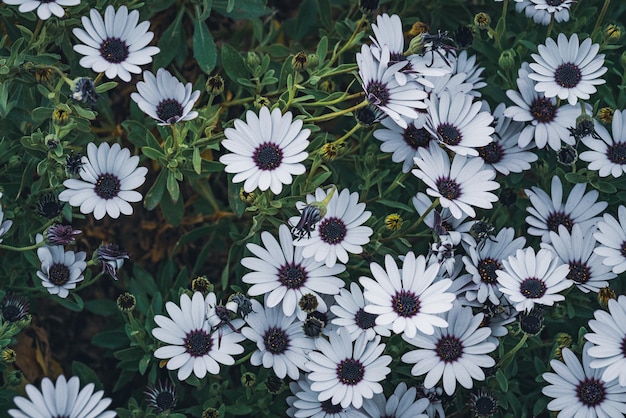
{"x":22,"y":249}
{"x":605,"y":6}
{"x":344,"y":97}
{"x":333,"y":115}
{"x":243,"y":359}
{"x":348,"y":134}
{"x":515,"y":349}
{"x":349,"y":43}
{"x":550,"y":25}
{"x":432,"y":206}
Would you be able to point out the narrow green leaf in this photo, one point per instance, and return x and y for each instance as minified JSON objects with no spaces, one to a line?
{"x":154,"y":195}
{"x":172,"y":186}
{"x":153,"y":154}
{"x":170,"y":42}
{"x":197,"y":160}
{"x":233,"y":63}
{"x":204,"y":50}
{"x":104,"y":87}
{"x":502,"y":381}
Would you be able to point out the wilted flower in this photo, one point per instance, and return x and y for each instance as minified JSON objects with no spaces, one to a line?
{"x":112,"y":258}
{"x":59,"y":234}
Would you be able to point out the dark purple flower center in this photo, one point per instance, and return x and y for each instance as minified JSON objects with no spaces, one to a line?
{"x":364,"y":320}
{"x":198,"y":343}
{"x":292,"y":276}
{"x":350,"y":371}
{"x":114,"y":50}
{"x":328,"y":407}
{"x":555,"y":2}
{"x":559,"y":218}
{"x":485,"y":406}
{"x":449,"y":134}
{"x":405,"y":303}
{"x":591,"y":392}
{"x":449,"y":348}
{"x":579,"y":272}
{"x":276,"y":340}
{"x":377,"y":93}
{"x":169,"y":110}
{"x":567,"y":75}
{"x":542,"y":110}
{"x":533,"y":288}
{"x":332,"y":230}
{"x":108,"y":186}
{"x":491,"y":153}
{"x":268,"y":156}
{"x":165,"y":400}
{"x":623,"y":346}
{"x":487,"y":270}
{"x":448,"y":188}
{"x":617,"y":153}
{"x":416,"y":138}
{"x":58,"y":274}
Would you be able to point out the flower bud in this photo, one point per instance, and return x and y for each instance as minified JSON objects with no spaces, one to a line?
{"x":300,"y":61}
{"x":253,"y":60}
{"x":506,"y":61}
{"x":482,"y":20}
{"x":612,"y":33}
{"x":126,"y":302}
{"x":214,"y":85}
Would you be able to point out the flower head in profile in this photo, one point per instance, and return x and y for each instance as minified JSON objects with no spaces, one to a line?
{"x":545,"y":11}
{"x":161,"y":397}
{"x":304,"y":403}
{"x":266,"y":150}
{"x":528,"y":278}
{"x":459,"y":185}
{"x":14,"y":307}
{"x":59,"y":234}
{"x":60,"y":270}
{"x":112,"y":257}
{"x":192,"y":344}
{"x":403,"y":403}
{"x":340,"y":231}
{"x":164,"y":98}
{"x":6,"y":225}
{"x":347,"y":372}
{"x":62,"y":399}
{"x":115,"y":45}
{"x":108,"y":177}
{"x":45,"y":8}
{"x":579,"y":390}
{"x":407,"y":300}
{"x":568,"y":69}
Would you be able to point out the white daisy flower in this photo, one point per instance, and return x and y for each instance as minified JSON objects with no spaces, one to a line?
{"x":281,"y":343}
{"x":579,"y":391}
{"x":407,"y":300}
{"x":117,"y":45}
{"x":304,"y":404}
{"x":527,"y":278}
{"x":608,"y":337}
{"x":404,"y":143}
{"x":346,"y":373}
{"x":164,"y":98}
{"x":612,"y":238}
{"x":482,"y":265}
{"x":192,"y":346}
{"x":466,"y":65}
{"x":62,"y":399}
{"x":548,"y":122}
{"x":458,"y":123}
{"x":460,"y":185}
{"x":608,"y":154}
{"x":576,"y":249}
{"x":60,"y":270}
{"x":350,"y":314}
{"x":504,"y":154}
{"x":435,"y":398}
{"x":266,"y":150}
{"x":388,"y":32}
{"x":382,"y":88}
{"x":339,"y":232}
{"x":537,"y":10}
{"x":455,"y":353}
{"x":547,"y":213}
{"x":568,"y":70}
{"x":45,"y":8}
{"x":284,"y":275}
{"x":403,"y":403}
{"x":108,"y":176}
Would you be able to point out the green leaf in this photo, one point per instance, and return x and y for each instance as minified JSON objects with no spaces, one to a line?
{"x":144,"y":363}
{"x":502,"y":381}
{"x":575,"y":178}
{"x":75,"y":305}
{"x":241,"y":9}
{"x":322,"y":49}
{"x":204,"y":50}
{"x":154,"y":195}
{"x":197,"y":160}
{"x":153,"y":154}
{"x":85,"y":374}
{"x":395,"y":205}
{"x":233,"y":63}
{"x":113,"y":339}
{"x":170,"y":42}
{"x":172,"y":186}
{"x":172,"y":211}
{"x":102,"y":307}
{"x":104,"y":87}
